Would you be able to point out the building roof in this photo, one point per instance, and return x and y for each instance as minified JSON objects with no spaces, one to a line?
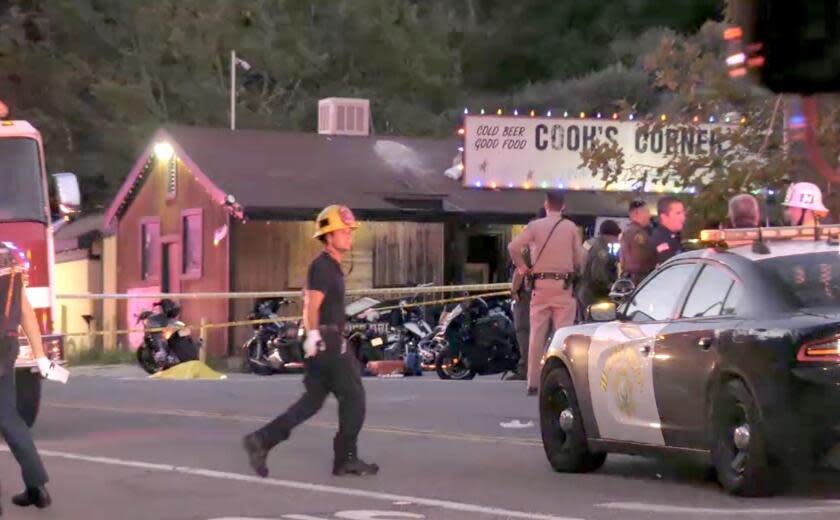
{"x":80,"y":233}
{"x":290,"y":175}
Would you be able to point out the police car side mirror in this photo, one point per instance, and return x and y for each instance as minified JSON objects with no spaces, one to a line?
{"x":601,"y":312}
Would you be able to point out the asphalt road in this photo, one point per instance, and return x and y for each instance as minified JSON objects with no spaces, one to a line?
{"x":120,"y":446}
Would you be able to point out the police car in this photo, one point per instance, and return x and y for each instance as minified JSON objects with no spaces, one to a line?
{"x":731,"y":352}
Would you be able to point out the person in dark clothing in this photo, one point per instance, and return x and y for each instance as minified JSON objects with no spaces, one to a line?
{"x":637,"y":256}
{"x":665,"y":239}
{"x":600,"y":268}
{"x":18,"y":313}
{"x":329,"y":366}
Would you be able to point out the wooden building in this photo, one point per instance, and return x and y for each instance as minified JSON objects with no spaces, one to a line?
{"x":218,"y":210}
{"x":85,"y":262}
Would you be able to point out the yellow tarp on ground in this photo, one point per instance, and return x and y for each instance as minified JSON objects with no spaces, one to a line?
{"x":189,"y":370}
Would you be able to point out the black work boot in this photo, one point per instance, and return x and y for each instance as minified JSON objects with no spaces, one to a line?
{"x":37,"y":497}
{"x":257,"y":453}
{"x":353,"y":465}
{"x":347,"y":461}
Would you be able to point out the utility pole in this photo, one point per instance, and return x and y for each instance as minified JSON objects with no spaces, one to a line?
{"x":235,"y":62}
{"x":233,"y":90}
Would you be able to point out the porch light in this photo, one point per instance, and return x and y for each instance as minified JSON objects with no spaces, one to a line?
{"x":164,"y":151}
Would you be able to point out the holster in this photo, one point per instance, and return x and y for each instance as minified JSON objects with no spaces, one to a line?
{"x":528,"y":281}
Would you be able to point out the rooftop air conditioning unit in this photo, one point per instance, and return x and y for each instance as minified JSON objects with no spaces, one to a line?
{"x":344,"y":116}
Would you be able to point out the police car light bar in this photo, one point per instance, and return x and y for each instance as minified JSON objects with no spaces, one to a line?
{"x":770,"y":233}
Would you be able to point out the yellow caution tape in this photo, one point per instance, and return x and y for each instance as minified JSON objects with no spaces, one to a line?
{"x":281,"y":318}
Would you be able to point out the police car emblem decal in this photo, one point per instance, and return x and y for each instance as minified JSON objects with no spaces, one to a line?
{"x":621,"y":376}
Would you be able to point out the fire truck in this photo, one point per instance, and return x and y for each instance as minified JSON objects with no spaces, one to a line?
{"x":31,"y":205}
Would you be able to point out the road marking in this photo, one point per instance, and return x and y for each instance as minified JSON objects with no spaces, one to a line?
{"x":304,"y":486}
{"x":468,"y":437}
{"x":346,"y":515}
{"x":374,"y":515}
{"x":516,"y":424}
{"x":830,"y":506}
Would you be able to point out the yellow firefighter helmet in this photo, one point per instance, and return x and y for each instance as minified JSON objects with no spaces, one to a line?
{"x":334,"y":218}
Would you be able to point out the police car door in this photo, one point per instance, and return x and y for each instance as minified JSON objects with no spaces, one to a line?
{"x":687,"y":356}
{"x":621,"y":356}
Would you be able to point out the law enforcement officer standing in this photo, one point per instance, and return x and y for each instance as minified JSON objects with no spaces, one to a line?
{"x":17,"y":312}
{"x":637,"y":257}
{"x":329,"y":367}
{"x":520,"y":289}
{"x":600,"y":267}
{"x":666,"y":239}
{"x":557,"y":254}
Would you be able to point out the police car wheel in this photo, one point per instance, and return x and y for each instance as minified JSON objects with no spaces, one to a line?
{"x":738,"y":447}
{"x":561,"y":426}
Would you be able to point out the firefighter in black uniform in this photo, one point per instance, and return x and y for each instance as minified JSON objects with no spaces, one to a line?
{"x":665,"y":239}
{"x":637,"y":256}
{"x":17,"y":312}
{"x":329,"y":366}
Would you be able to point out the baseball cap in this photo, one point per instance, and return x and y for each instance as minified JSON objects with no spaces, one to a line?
{"x":638,"y":203}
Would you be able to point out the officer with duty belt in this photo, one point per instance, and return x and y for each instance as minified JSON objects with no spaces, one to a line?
{"x":637,"y":256}
{"x":520,"y":290}
{"x":17,"y":313}
{"x":556,"y":251}
{"x":328,"y":365}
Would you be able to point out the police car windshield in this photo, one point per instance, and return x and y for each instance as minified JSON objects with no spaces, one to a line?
{"x":22,"y":194}
{"x":813,"y":278}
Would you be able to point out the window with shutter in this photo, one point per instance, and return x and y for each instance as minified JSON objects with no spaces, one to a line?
{"x":191,"y":243}
{"x":150,"y":248}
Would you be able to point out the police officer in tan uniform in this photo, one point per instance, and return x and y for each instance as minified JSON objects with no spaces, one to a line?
{"x":557,"y":253}
{"x":637,"y":256}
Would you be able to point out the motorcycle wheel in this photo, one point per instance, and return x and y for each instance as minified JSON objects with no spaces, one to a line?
{"x":253,"y":364}
{"x":446,"y":368}
{"x":146,"y":359}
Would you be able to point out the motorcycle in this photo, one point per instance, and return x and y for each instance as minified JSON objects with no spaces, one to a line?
{"x":275,"y":346}
{"x":171,"y":344}
{"x":369,"y":331}
{"x":389,"y":334}
{"x":472,"y":340}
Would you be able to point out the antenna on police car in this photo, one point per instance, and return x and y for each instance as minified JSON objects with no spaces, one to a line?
{"x":759,"y":247}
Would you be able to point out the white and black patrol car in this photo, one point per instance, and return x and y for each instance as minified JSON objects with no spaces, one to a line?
{"x":731,"y":353}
